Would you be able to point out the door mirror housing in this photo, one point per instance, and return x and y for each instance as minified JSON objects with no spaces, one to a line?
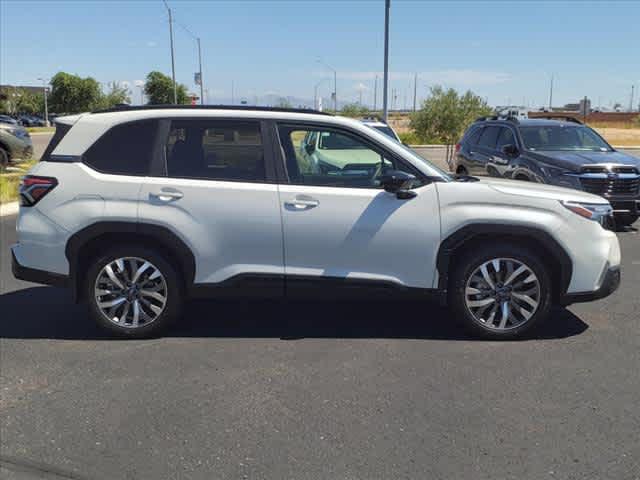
{"x":510,"y":150}
{"x":398,"y":182}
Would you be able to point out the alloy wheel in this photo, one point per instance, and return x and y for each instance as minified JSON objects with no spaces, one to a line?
{"x":502,"y":294}
{"x":131,"y":292}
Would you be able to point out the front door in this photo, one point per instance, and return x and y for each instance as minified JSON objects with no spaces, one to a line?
{"x":340,"y":224}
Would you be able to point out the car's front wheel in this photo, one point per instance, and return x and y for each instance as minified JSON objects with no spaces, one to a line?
{"x":133,"y":292}
{"x":500,"y":291}
{"x":626,"y":220}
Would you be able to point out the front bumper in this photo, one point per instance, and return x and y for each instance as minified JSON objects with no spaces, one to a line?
{"x":625,"y":206}
{"x":37,"y":276}
{"x":609,"y":284}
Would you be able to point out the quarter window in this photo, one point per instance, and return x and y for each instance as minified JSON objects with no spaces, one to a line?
{"x":334,"y":159}
{"x":474,"y":136}
{"x":125,"y":149}
{"x":215,"y":150}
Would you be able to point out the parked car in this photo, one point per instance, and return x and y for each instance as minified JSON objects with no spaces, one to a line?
{"x":15,"y":144}
{"x":564,"y":152}
{"x":138,"y":209}
{"x":382,"y":127}
{"x":30,"y":121}
{"x":6,"y":119}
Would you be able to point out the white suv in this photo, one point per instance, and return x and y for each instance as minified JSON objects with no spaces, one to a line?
{"x":137,"y":209}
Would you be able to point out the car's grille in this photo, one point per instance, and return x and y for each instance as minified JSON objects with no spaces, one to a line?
{"x":611,"y":180}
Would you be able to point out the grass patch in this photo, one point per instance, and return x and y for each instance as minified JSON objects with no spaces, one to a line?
{"x":9,"y":187}
{"x":41,"y":129}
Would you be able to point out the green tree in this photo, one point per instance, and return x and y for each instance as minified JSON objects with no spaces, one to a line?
{"x":18,"y":100}
{"x":444,"y":116}
{"x":284,"y":103}
{"x":354,"y":110}
{"x":159,"y":90}
{"x":117,"y":94}
{"x":73,"y":94}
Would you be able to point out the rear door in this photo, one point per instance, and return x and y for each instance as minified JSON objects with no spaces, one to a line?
{"x":486,"y":149}
{"x":215,"y":190}
{"x":500,"y":163}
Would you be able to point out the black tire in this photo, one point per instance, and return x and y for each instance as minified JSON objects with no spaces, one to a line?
{"x":4,"y":159}
{"x":462,"y":170}
{"x":470,"y":261}
{"x":174,"y":295}
{"x":626,"y":220}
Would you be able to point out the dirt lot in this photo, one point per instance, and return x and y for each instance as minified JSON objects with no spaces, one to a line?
{"x":621,"y":136}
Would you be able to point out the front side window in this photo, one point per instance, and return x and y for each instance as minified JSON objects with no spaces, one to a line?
{"x":126,"y":149}
{"x":215,"y":150}
{"x":563,"y":138}
{"x":336,"y":159}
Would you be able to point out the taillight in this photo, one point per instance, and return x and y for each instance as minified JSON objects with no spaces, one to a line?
{"x":457,"y":147}
{"x":33,"y":188}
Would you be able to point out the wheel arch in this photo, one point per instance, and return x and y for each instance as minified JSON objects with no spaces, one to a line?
{"x":95,"y":238}
{"x":553,"y":255}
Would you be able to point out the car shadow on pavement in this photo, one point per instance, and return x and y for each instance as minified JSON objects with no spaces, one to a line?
{"x":49,"y":313}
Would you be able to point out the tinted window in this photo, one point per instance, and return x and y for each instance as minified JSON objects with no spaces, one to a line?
{"x":126,"y":149}
{"x":215,"y":150}
{"x":474,"y":136}
{"x":337,"y":160}
{"x":489,"y":137}
{"x":505,"y":138}
{"x":561,"y":137}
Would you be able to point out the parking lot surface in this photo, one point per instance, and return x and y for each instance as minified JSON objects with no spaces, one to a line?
{"x":277,"y":390}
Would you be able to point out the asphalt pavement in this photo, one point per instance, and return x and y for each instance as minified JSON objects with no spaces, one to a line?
{"x":323,"y":390}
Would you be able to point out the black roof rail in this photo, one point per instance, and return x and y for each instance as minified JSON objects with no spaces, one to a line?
{"x":566,"y":118}
{"x":509,"y":118}
{"x":133,"y":108}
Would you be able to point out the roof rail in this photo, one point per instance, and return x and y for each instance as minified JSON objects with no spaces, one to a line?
{"x":566,"y":118}
{"x":132,"y":108}
{"x":508,"y":118}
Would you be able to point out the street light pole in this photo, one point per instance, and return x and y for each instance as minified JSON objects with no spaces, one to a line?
{"x":173,"y":63}
{"x":335,"y":84}
{"x":315,"y":93}
{"x":375,"y":93}
{"x":200,"y":66}
{"x":46,"y":107}
{"x":415,"y":91}
{"x":385,"y":107}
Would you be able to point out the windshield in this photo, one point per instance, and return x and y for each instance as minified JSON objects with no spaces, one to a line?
{"x":561,"y":137}
{"x":388,"y":131}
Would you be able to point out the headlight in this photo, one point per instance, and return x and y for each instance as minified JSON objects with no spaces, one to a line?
{"x":598,"y":212}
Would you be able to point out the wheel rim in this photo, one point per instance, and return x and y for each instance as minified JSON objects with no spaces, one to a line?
{"x":502,"y":294}
{"x":130,"y":292}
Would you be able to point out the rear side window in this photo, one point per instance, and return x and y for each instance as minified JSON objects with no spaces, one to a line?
{"x":125,"y":149}
{"x":215,"y":150}
{"x":505,"y":138}
{"x":474,"y":136}
{"x":61,"y":131}
{"x":489,"y":137}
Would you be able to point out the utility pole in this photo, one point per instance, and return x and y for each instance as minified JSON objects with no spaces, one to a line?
{"x":232,"y":93}
{"x":46,"y":107}
{"x":375,"y":93}
{"x":335,"y":84}
{"x":315,"y":93}
{"x":415,"y":91}
{"x":631,"y":101}
{"x":173,"y":63}
{"x":200,"y":66}
{"x":385,"y":106}
{"x":551,"y":94}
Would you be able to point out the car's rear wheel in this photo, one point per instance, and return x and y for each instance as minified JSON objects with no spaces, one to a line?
{"x":500,"y":291}
{"x":133,"y":292}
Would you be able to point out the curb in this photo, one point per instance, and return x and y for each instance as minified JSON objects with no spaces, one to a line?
{"x":8,"y":209}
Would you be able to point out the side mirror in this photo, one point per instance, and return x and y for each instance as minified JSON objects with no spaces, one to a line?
{"x":510,"y":150}
{"x":398,"y":182}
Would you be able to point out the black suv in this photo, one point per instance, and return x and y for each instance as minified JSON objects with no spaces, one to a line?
{"x":563,"y":152}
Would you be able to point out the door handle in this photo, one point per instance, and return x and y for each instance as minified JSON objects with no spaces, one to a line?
{"x":167,"y":195}
{"x":301,"y":204}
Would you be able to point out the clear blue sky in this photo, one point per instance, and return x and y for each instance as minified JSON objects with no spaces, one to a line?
{"x":505,"y":51}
